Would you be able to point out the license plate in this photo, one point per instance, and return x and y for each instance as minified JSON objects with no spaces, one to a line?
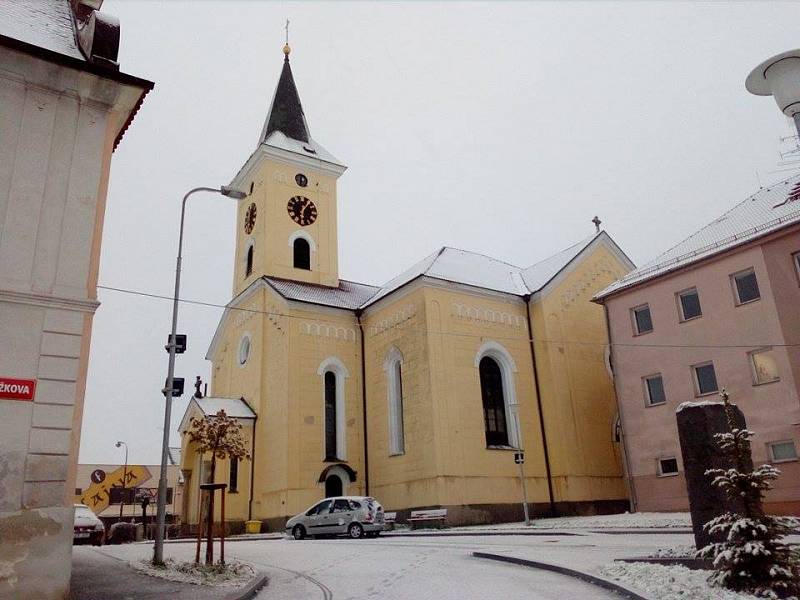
{"x":81,"y":534}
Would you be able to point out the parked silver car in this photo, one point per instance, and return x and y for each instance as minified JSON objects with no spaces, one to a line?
{"x":87,"y":528}
{"x":355,"y":516}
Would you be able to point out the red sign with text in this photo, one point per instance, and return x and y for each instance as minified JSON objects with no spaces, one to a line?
{"x":17,"y":389}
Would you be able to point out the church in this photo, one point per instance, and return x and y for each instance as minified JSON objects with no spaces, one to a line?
{"x":419,"y":392}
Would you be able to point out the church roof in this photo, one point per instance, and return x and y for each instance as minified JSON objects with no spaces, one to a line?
{"x":764,"y":212}
{"x":348,"y":294}
{"x":285,"y":112}
{"x":234,"y":407}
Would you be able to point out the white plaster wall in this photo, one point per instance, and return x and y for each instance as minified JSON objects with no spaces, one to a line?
{"x":57,"y":128}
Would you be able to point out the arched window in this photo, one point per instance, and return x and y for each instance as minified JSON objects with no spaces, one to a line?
{"x":249,"y":266}
{"x":494,"y":405}
{"x":333,"y":374}
{"x":330,"y":416}
{"x":302,"y":254}
{"x":393,"y":365}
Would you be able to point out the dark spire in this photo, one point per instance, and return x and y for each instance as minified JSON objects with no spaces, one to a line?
{"x":286,"y":113}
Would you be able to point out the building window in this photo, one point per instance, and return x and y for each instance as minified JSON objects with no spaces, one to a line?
{"x":782,"y":451}
{"x":78,"y":491}
{"x":302,"y":254}
{"x":248,"y":270}
{"x":765,"y":370}
{"x":642,"y":321}
{"x":689,"y":302}
{"x":667,"y":467}
{"x":796,"y":260}
{"x":394,"y":373}
{"x":654,"y":390}
{"x":251,"y":186}
{"x":746,"y":286}
{"x":330,"y":416}
{"x":705,"y":379}
{"x":244,"y":349}
{"x":494,"y":405}
{"x":233,"y":476}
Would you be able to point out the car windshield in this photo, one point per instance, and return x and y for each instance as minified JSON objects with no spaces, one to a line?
{"x":322,"y":507}
{"x":83,"y":511}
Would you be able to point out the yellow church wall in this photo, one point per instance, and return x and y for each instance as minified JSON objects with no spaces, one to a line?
{"x":273,"y":186}
{"x":408,"y":479}
{"x":578,"y":400}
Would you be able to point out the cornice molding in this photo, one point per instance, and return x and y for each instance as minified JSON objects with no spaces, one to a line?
{"x":46,"y":301}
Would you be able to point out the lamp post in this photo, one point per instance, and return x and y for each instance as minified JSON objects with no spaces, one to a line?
{"x":158,"y":548}
{"x":124,"y":478}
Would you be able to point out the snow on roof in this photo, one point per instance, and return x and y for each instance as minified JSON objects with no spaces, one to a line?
{"x":233,"y":407}
{"x":766,"y":211}
{"x":47,"y":24}
{"x":310,"y":149}
{"x":539,"y":274}
{"x":348,"y":294}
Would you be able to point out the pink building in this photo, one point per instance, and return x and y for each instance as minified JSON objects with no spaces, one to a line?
{"x":719,"y":310}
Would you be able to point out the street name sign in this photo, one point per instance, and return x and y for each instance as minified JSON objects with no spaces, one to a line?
{"x":17,"y":389}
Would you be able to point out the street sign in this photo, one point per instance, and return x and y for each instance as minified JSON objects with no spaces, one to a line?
{"x":98,"y":495}
{"x":98,"y":476}
{"x":17,"y":389}
{"x":519,"y":458}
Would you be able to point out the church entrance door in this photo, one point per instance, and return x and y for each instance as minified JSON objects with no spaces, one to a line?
{"x":333,"y":486}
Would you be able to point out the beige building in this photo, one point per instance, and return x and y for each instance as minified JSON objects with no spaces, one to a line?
{"x":64,"y":107}
{"x":417,"y":392}
{"x":719,"y":310}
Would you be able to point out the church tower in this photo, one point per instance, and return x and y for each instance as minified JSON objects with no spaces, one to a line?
{"x":286,"y":226}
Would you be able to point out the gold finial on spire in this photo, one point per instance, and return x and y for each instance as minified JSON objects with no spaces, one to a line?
{"x":286,"y":48}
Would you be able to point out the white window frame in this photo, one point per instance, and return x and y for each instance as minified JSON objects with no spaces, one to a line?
{"x":635,"y":322}
{"x":679,"y":296}
{"x":394,"y":398}
{"x":782,"y":460}
{"x":696,"y":379}
{"x":336,"y":366}
{"x":736,"y":297}
{"x":647,"y":400}
{"x":754,"y":371}
{"x":303,"y":234}
{"x":246,"y":337}
{"x":660,"y":471}
{"x":508,"y":367}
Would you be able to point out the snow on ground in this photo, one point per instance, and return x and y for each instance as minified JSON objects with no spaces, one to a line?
{"x":660,"y":582}
{"x":642,"y":520}
{"x":234,"y":574}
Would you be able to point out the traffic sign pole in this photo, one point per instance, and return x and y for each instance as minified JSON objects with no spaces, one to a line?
{"x":519,"y":458}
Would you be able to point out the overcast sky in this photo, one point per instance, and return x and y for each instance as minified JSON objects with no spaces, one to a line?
{"x":498,"y":128}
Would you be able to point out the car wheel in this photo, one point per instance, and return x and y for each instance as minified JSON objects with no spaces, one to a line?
{"x":298,"y":532}
{"x":355,"y":531}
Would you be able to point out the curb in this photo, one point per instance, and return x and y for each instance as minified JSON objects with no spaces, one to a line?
{"x":477,"y":534}
{"x":256,"y":584}
{"x":593,"y":579}
{"x":645,"y":531}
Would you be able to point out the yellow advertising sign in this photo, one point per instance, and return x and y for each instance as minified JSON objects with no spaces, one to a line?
{"x":97,"y":496}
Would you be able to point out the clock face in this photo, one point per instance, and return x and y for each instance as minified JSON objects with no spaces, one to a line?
{"x":301,"y":180}
{"x":250,"y":219}
{"x":302,"y":210}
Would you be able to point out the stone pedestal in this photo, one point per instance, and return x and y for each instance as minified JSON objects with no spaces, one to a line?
{"x":697,"y":424}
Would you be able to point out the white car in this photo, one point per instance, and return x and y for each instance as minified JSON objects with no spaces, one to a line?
{"x":87,"y":528}
{"x":355,"y":516}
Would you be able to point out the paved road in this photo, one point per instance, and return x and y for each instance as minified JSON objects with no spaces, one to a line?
{"x":98,"y":576}
{"x":416,"y":568}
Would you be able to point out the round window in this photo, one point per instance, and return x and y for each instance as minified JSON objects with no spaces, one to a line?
{"x":244,"y":349}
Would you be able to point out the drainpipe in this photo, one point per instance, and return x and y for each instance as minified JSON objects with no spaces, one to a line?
{"x":359,"y":312}
{"x":252,"y":466}
{"x":625,"y":455}
{"x":527,"y":298}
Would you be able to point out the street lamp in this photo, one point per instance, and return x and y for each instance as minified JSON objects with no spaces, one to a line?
{"x":158,"y":549}
{"x":124,"y":478}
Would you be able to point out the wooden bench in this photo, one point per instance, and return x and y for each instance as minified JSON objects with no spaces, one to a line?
{"x":436,"y":516}
{"x":389,"y":519}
